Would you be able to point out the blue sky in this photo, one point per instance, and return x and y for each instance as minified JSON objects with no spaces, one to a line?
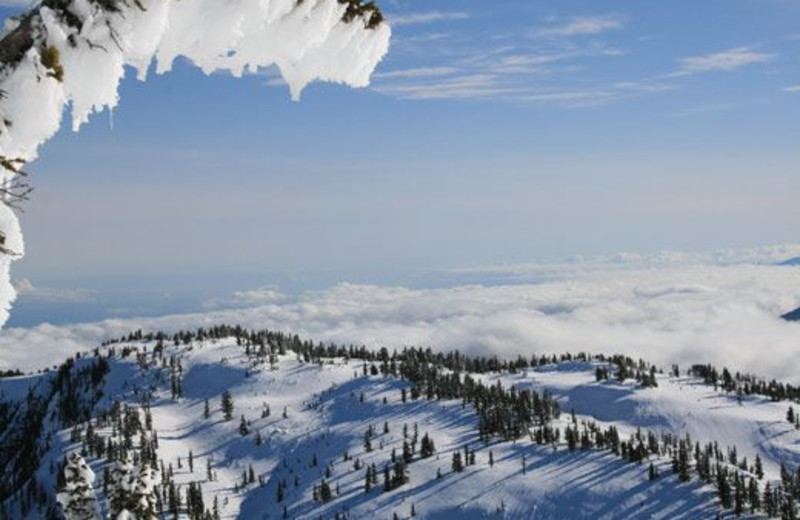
{"x":493,"y":132}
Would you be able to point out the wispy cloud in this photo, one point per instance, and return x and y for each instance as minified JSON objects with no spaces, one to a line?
{"x":524,"y":70}
{"x":705,"y":109}
{"x":249,"y":298}
{"x":539,"y":67}
{"x":724,"y":61}
{"x":427,"y":17}
{"x":513,"y":73}
{"x":583,"y":26}
{"x":794,"y":89}
{"x":525,"y":63}
{"x":25,"y":289}
{"x":646,"y":86}
{"x":469,"y":86}
{"x":552,"y":65}
{"x":420,"y":72}
{"x":574,"y":98}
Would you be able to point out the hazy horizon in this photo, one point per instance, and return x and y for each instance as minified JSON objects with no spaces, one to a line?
{"x":491,"y":133}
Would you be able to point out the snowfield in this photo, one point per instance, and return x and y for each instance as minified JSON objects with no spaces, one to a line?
{"x":319,"y":413}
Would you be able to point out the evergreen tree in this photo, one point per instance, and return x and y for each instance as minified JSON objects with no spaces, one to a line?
{"x":243,"y":430}
{"x":683,"y":462}
{"x":738,"y":495}
{"x":770,"y":507}
{"x":759,"y":469}
{"x":227,"y":405}
{"x":753,"y":495}
{"x":77,"y":499}
{"x":134,"y":490}
{"x":145,"y":493}
{"x":724,"y":488}
{"x":122,"y":481}
{"x":407,"y":455}
{"x":457,"y":465}
{"x":399,"y":476}
{"x":427,"y":447}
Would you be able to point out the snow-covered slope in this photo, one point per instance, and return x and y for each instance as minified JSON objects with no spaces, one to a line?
{"x":301,"y":413}
{"x":75,"y":53}
{"x":680,"y":404}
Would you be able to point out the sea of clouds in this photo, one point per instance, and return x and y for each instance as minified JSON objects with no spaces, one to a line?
{"x":720,"y":307}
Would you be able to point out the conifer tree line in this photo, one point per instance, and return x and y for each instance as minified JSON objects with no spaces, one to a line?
{"x":66,"y":397}
{"x":123,"y":441}
{"x":745,"y":384}
{"x":507,"y":414}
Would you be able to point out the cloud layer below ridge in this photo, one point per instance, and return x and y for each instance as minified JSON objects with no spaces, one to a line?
{"x":693,"y":309}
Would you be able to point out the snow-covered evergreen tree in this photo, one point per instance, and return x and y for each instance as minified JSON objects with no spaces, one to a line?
{"x":74,"y":53}
{"x":133,"y":490}
{"x":143,"y":494}
{"x":122,"y":484}
{"x":78,"y":500}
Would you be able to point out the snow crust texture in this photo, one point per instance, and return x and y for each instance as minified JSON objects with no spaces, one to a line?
{"x":80,"y":56}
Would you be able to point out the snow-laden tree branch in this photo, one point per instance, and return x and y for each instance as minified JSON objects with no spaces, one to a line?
{"x":75,"y":52}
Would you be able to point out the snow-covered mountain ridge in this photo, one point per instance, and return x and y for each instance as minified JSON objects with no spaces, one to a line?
{"x":230,"y":423}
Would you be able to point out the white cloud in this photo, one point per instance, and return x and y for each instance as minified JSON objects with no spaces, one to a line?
{"x":728,"y":60}
{"x":250,"y":298}
{"x":25,"y":289}
{"x":540,"y":71}
{"x":574,"y":98}
{"x":421,"y":72}
{"x":466,"y":86}
{"x":669,"y":308}
{"x":429,"y":17}
{"x":583,"y":26}
{"x":792,"y":89}
{"x":526,"y":63}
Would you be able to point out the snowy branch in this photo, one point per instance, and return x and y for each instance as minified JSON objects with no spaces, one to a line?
{"x":75,"y":53}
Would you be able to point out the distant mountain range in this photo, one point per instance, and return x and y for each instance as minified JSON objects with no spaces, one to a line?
{"x":791,"y":261}
{"x":792,"y":316}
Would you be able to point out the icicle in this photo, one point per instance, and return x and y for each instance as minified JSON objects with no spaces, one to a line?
{"x":80,"y":60}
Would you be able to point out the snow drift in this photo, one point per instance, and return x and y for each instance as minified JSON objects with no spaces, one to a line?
{"x":75,"y":52}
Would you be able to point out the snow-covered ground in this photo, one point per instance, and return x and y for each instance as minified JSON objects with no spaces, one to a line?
{"x":680,"y":405}
{"x":330,"y":405}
